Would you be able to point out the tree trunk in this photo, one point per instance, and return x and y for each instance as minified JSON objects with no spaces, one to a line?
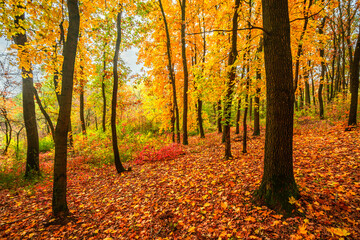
{"x":247,"y":105}
{"x":200,"y":119}
{"x":354,"y":84}
{"x":118,"y":164}
{"x":8,"y":130}
{"x":171,"y":74}
{"x":59,"y":203}
{"x":238,"y":112}
{"x":300,"y":45}
{"x":46,"y":115}
{"x":231,"y":81}
{"x":257,"y":94}
{"x":103,"y":94}
{"x":219,"y":114}
{"x":82,"y":116}
{"x":278,"y":182}
{"x":186,"y":74}
{"x":322,"y":77}
{"x":307,"y":91}
{"x":32,"y":156}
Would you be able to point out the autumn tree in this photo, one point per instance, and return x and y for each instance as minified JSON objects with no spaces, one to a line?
{"x":231,"y":80}
{"x":21,"y":40}
{"x":354,"y":84}
{"x":118,"y":164}
{"x":59,"y":203}
{"x":171,"y":73}
{"x":185,"y":70}
{"x":278,"y":182}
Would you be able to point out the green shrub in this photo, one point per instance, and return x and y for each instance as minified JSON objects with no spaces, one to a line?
{"x":46,"y":144}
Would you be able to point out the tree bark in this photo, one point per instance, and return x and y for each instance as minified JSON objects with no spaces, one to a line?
{"x":354,"y":84}
{"x":82,"y":116}
{"x":59,"y":203}
{"x":218,"y":112}
{"x":300,"y":45}
{"x":103,"y":93}
{"x":278,"y":182}
{"x":118,"y":164}
{"x":186,"y":74}
{"x":238,"y":112}
{"x":322,"y":76}
{"x":231,"y":81}
{"x":32,"y":136}
{"x":171,"y":74}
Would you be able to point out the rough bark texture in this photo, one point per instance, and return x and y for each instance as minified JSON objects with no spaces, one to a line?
{"x":354,"y":84}
{"x":118,"y":164}
{"x":171,"y":74}
{"x":59,"y":203}
{"x":186,"y":74}
{"x":32,"y":137}
{"x":231,"y":81}
{"x":278,"y":183}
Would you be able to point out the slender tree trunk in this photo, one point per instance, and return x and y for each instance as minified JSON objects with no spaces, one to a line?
{"x":219,"y":116}
{"x":171,"y":73}
{"x":354,"y":84}
{"x":59,"y":203}
{"x":307,"y":90}
{"x":231,"y":81}
{"x":322,"y":77}
{"x":301,"y":98}
{"x":278,"y":182}
{"x":186,"y":74}
{"x":200,"y":119}
{"x":82,"y":83}
{"x":172,"y":119}
{"x":32,"y":156}
{"x":257,"y":94}
{"x":8,"y":130}
{"x":82,"y":117}
{"x":300,"y":45}
{"x":313,"y":91}
{"x":104,"y":93}
{"x":118,"y":164}
{"x":247,"y":105}
{"x":238,"y":112}
{"x":46,"y":115}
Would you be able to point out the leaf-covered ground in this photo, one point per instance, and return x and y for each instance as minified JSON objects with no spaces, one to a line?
{"x":200,"y":196}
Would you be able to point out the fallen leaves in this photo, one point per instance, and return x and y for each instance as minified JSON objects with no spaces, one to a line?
{"x":198,"y":195}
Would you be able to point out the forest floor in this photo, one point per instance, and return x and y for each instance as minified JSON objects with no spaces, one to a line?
{"x":199,"y":195}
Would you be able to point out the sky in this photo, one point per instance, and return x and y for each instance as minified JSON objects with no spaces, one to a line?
{"x":129,"y":56}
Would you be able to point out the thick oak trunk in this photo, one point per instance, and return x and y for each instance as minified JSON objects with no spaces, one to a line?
{"x":278,"y":183}
{"x":354,"y":84}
